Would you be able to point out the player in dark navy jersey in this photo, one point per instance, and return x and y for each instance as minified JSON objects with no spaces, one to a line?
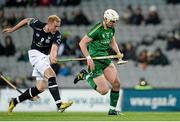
{"x":43,"y":53}
{"x":42,"y":40}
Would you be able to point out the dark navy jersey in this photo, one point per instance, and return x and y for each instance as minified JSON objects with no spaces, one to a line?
{"x":43,"y":41}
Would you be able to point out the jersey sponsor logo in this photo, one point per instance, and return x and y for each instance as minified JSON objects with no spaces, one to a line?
{"x":39,"y":44}
{"x":107,"y":41}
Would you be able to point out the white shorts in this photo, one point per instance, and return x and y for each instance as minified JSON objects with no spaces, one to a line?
{"x":40,"y":63}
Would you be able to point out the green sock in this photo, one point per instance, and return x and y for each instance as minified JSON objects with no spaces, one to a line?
{"x":90,"y":81}
{"x":114,"y":95}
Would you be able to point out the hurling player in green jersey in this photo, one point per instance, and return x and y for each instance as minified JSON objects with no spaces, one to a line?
{"x":97,"y":42}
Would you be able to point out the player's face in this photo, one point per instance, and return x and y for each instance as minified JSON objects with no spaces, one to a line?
{"x":54,"y":26}
{"x":110,"y":23}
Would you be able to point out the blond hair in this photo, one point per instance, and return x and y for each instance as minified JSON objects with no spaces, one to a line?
{"x":53,"y":18}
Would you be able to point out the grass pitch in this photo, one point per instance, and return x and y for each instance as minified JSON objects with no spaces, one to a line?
{"x":89,"y":116}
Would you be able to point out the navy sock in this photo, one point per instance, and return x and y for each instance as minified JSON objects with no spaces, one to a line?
{"x":54,"y":90}
{"x":28,"y":94}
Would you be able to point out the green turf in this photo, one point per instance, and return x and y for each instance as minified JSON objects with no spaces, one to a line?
{"x":89,"y":116}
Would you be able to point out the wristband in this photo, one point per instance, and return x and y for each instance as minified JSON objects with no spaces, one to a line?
{"x":88,"y":57}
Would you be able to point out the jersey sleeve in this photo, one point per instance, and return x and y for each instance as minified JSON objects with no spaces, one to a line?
{"x":113,"y":31}
{"x":94,"y":31}
{"x":35,"y":24}
{"x":57,"y":38}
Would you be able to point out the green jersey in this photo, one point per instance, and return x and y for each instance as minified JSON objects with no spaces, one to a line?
{"x":101,"y":40}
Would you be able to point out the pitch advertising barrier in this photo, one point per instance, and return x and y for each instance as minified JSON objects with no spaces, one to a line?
{"x":151,"y":100}
{"x":90,"y":100}
{"x":84,"y":100}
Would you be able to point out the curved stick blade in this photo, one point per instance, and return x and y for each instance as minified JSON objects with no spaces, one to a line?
{"x":120,"y":62}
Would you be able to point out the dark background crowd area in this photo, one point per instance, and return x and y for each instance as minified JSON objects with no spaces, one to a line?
{"x":35,"y":3}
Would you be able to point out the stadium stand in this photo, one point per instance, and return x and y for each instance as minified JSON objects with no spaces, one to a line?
{"x":158,"y":76}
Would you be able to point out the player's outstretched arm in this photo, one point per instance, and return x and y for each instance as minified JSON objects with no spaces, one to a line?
{"x":16,"y":27}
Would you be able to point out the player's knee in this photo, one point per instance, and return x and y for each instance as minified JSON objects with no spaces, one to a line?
{"x":49,"y":73}
{"x":103,"y":91}
{"x":52,"y":74}
{"x":41,"y":88}
{"x":116,"y":85}
{"x":41,"y":85}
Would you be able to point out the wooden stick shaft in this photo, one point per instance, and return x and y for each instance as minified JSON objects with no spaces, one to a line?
{"x":94,"y":58}
{"x":14,"y":87}
{"x":8,"y":82}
